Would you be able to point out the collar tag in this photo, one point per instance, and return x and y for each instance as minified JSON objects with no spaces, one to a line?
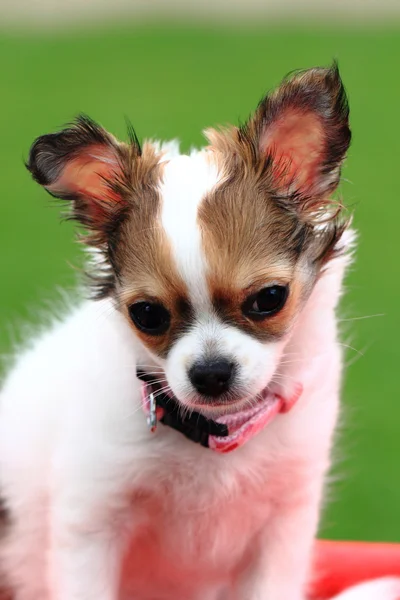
{"x":152,"y":416}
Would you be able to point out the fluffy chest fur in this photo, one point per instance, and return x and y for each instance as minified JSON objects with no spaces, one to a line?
{"x":192,"y":519}
{"x":207,"y":518}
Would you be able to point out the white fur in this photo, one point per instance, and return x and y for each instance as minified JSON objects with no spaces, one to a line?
{"x":387,"y":588}
{"x":88,"y":486}
{"x":186,"y":180}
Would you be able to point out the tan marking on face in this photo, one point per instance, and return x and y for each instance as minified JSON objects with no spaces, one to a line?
{"x":250,"y":243}
{"x":265,"y":218}
{"x":229,"y":302}
{"x":145,"y":263}
{"x":158,"y":282}
{"x":181,"y":319}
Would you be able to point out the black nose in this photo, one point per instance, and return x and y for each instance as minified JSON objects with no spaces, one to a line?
{"x":212,"y":378}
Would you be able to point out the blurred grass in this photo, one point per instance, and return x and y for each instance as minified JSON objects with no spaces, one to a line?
{"x":172,"y":83}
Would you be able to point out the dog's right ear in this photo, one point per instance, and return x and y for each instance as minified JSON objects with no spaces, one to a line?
{"x":86,"y":165}
{"x":301,"y":132}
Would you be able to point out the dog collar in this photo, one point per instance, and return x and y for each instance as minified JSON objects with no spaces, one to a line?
{"x":160,"y":406}
{"x":223,"y":435}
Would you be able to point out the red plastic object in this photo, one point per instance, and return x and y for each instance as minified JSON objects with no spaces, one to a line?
{"x":340,"y":565}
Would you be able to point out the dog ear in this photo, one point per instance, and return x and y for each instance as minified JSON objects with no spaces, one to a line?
{"x":301,"y":132}
{"x":86,"y":165}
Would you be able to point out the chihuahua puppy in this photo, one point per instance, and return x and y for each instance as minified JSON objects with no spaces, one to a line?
{"x":169,"y":438}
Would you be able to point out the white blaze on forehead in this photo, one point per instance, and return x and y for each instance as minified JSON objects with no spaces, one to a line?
{"x":186,"y":181}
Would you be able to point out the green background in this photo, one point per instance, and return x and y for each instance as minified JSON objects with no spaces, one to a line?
{"x":172,"y":82}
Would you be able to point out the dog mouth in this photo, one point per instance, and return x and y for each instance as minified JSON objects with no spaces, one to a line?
{"x":239,"y":422}
{"x":245,"y":423}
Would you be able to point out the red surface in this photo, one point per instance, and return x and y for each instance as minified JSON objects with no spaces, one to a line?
{"x":339,"y":565}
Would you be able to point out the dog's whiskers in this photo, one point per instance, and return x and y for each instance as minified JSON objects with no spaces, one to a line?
{"x":361,"y":318}
{"x":161,"y":391}
{"x":351,"y":348}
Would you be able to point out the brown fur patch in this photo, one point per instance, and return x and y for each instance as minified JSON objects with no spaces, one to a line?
{"x":251,"y":243}
{"x":114,"y":192}
{"x":228,"y":304}
{"x":132,"y":236}
{"x":273,"y":207}
{"x":142,"y":256}
{"x":250,"y":182}
{"x":107,"y":183}
{"x":148,"y":273}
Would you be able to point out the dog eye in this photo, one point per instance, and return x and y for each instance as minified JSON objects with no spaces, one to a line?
{"x":266,"y":302}
{"x":151,"y":318}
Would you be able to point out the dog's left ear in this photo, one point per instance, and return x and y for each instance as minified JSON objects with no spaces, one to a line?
{"x":301,"y":133}
{"x":86,"y":165}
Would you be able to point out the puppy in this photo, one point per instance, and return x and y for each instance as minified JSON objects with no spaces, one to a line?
{"x":168,"y":439}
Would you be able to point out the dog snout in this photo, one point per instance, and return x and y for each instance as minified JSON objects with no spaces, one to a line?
{"x":212,"y":377}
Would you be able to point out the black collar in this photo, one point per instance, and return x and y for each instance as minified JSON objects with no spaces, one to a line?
{"x":193,"y":425}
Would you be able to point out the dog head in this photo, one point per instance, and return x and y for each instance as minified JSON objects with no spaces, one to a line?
{"x":212,"y":256}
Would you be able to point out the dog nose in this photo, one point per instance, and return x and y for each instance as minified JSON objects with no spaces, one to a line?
{"x":212,"y":378}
